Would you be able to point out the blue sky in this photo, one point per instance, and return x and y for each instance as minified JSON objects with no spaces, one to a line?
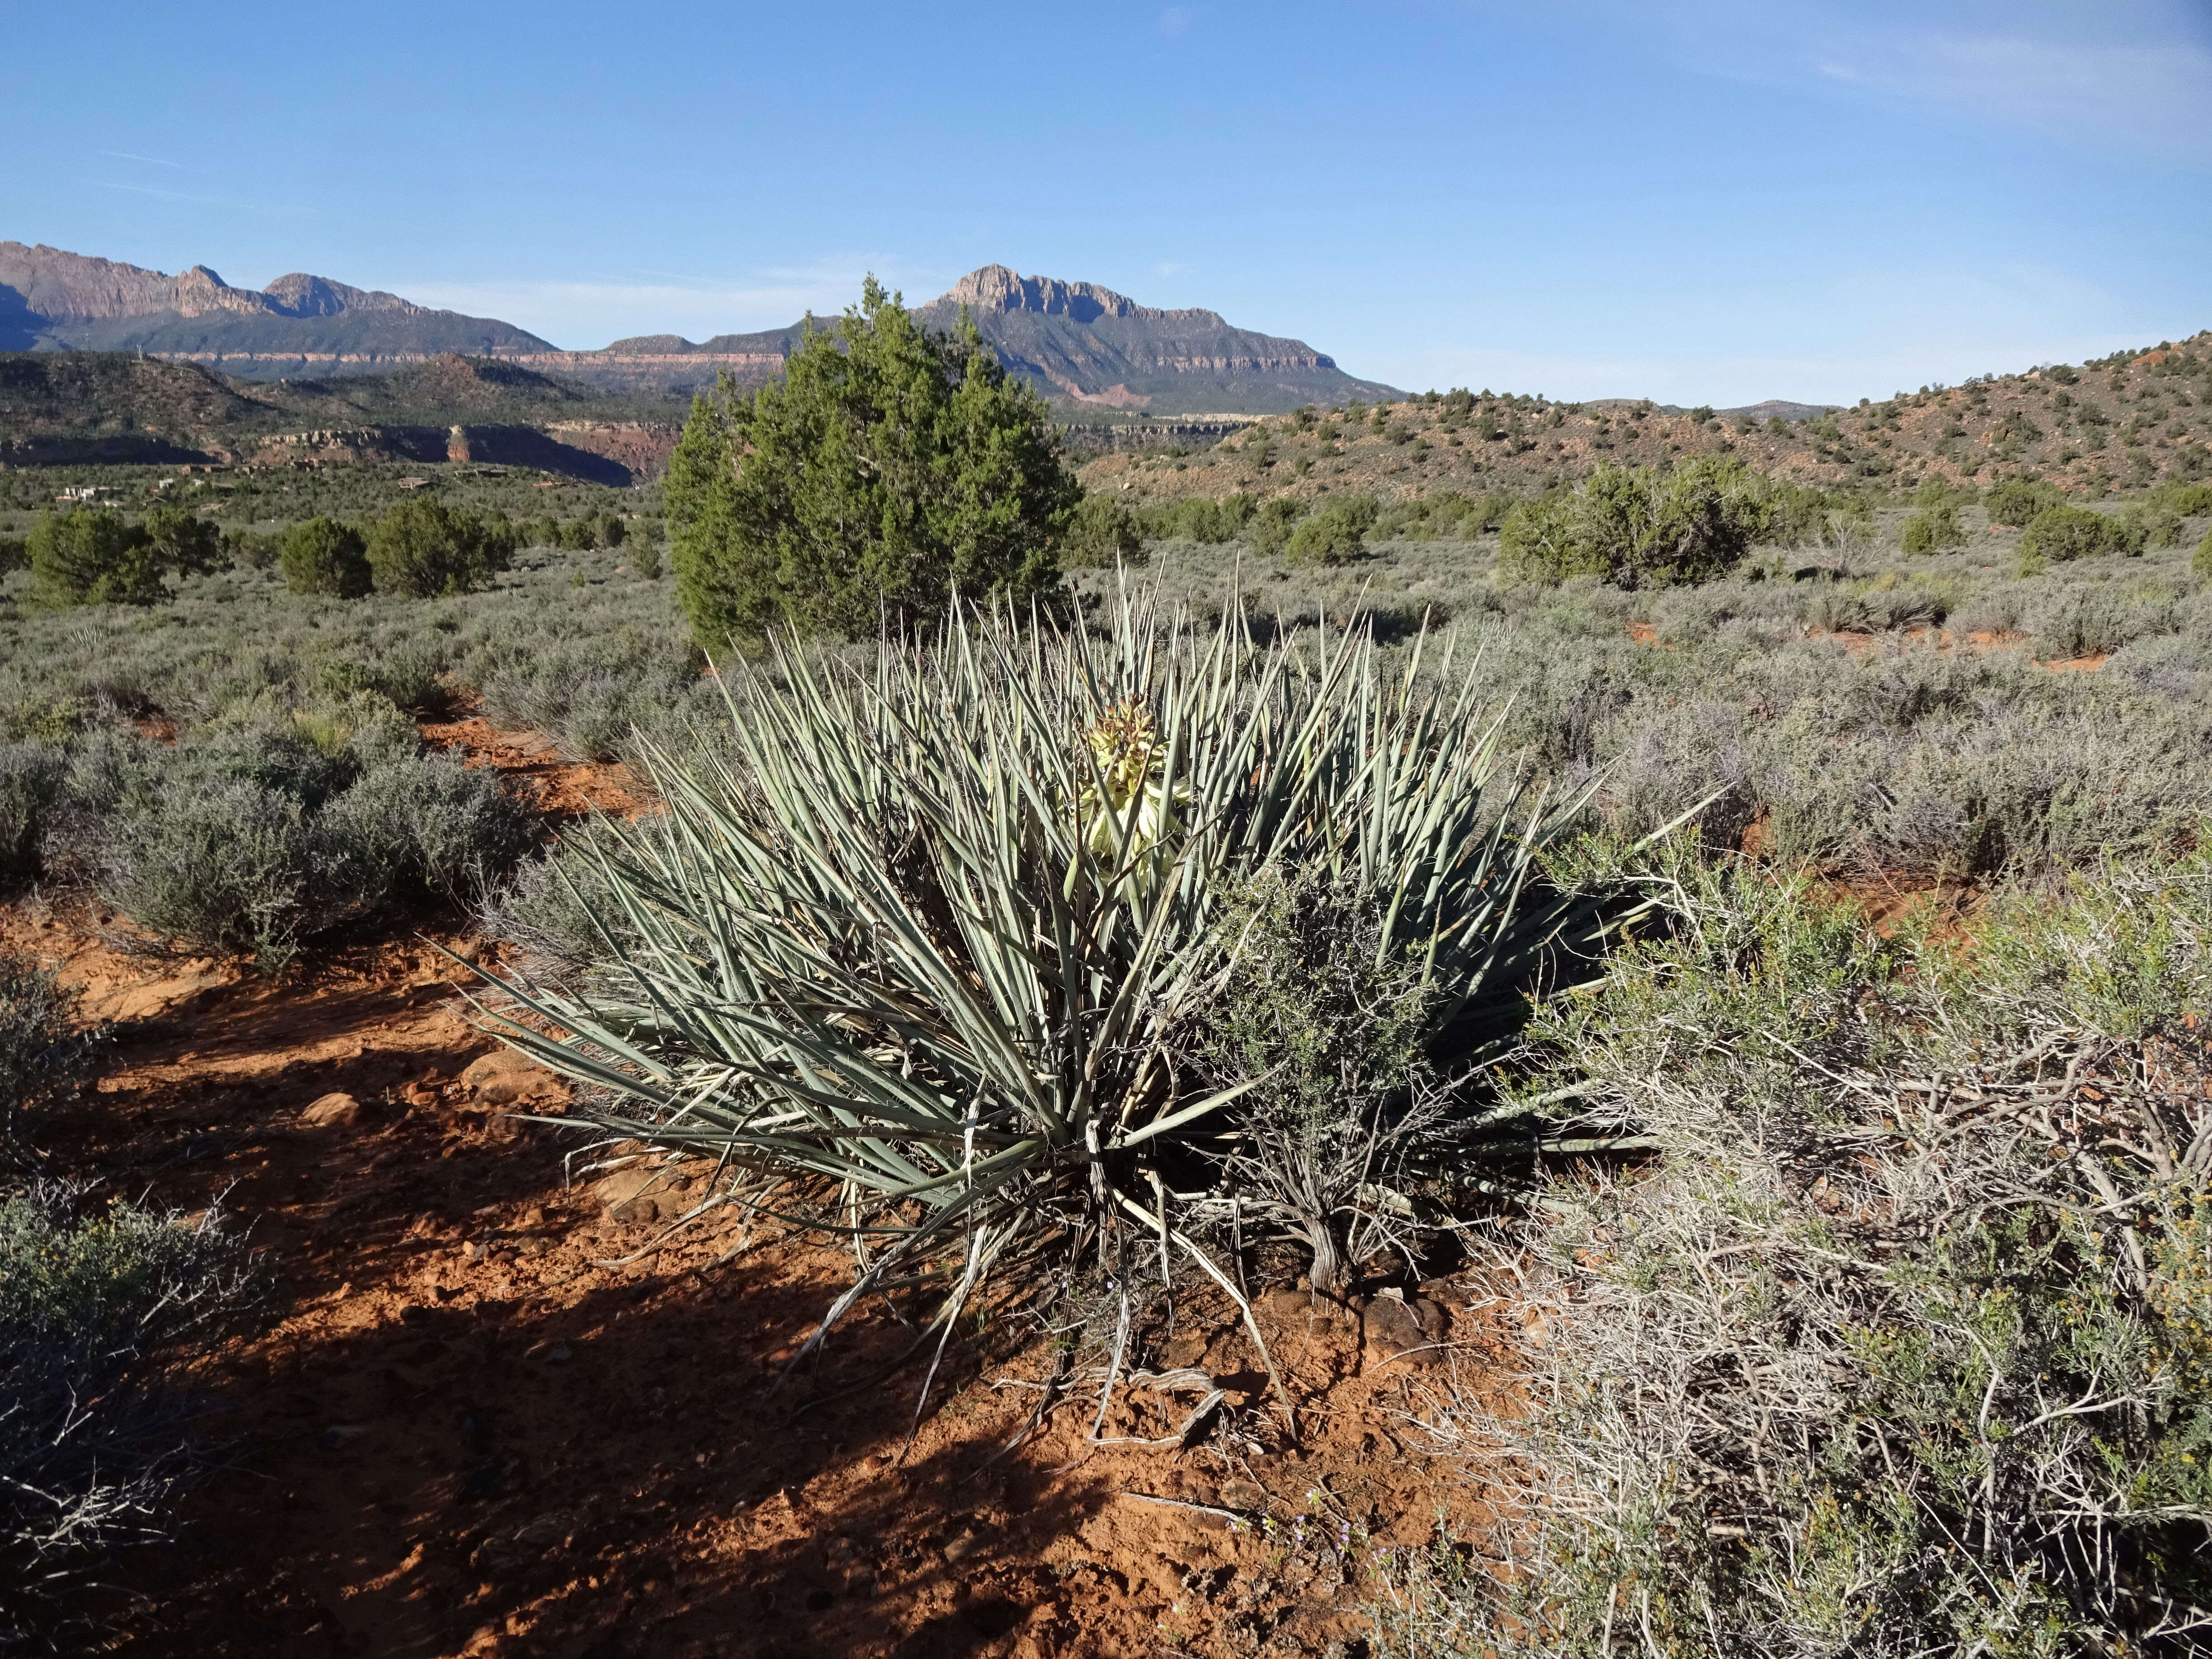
{"x":1710,"y":201}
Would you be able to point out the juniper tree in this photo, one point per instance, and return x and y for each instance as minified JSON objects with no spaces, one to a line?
{"x":888,"y":468}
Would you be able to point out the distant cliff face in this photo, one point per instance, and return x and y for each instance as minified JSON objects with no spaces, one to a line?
{"x":51,"y":299}
{"x":1088,"y":345}
{"x":994,"y":288}
{"x":1081,"y":344}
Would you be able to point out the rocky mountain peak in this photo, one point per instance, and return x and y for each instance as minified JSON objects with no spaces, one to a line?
{"x":299,"y":294}
{"x":996,"y":288}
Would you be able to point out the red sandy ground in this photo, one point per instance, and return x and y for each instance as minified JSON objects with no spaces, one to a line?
{"x":461,"y":1432}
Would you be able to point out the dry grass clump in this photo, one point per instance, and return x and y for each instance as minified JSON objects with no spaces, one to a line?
{"x":101,"y":1305}
{"x":1904,"y":1345}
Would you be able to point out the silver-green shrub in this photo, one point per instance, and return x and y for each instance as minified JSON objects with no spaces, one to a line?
{"x":1903,"y":1346}
{"x":101,"y":1304}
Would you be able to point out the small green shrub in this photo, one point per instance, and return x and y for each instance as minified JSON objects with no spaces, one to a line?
{"x":2017,"y":501}
{"x":2146,"y":524}
{"x":1932,"y":528}
{"x":15,"y":554}
{"x":2060,"y":534}
{"x":1101,"y":534}
{"x":92,"y":555}
{"x":1336,"y":534}
{"x":422,"y":548}
{"x":2187,"y":501}
{"x":101,"y":1307}
{"x":1201,"y":519}
{"x":1267,"y":532}
{"x":1639,"y":526}
{"x":323,"y":556}
{"x":44,"y":1050}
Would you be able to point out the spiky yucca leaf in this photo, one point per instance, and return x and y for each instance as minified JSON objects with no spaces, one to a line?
{"x":931,"y":932}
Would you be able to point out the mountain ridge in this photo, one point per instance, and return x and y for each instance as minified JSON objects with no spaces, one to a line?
{"x":54,"y":300}
{"x":1082,"y":345}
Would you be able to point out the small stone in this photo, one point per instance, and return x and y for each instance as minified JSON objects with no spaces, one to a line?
{"x":560,"y":1354}
{"x":333,"y":1111}
{"x":339,"y":1436}
{"x":1399,"y":1330}
{"x":485,"y":1067}
{"x":625,"y":1188}
{"x":414,"y":1314}
{"x":962,"y":1547}
{"x":532,"y":1217}
{"x":1244,"y":1495}
{"x":517,"y":1083}
{"x":635,"y":1211}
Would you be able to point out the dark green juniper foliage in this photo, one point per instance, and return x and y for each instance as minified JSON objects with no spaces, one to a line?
{"x":1335,"y":534}
{"x":422,"y":548}
{"x":1268,"y":530}
{"x":889,"y":468}
{"x":2017,"y":501}
{"x":322,"y":555}
{"x":1932,"y":528}
{"x":1638,"y":526}
{"x":93,"y":556}
{"x":2062,"y":534}
{"x":1101,"y":534}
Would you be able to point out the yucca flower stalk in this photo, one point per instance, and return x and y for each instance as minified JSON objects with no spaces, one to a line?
{"x":929,"y":934}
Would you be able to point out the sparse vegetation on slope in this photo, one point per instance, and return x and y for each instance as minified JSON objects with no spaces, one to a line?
{"x":2127,"y":422}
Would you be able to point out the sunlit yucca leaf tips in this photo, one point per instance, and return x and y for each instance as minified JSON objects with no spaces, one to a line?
{"x":929,"y":930}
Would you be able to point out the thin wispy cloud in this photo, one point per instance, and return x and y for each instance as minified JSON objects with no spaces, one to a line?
{"x":163,"y":195}
{"x":2153,"y":100}
{"x":150,"y":160}
{"x":2133,"y":77}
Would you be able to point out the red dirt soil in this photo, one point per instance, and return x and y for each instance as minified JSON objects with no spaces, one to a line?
{"x":464,"y":1430}
{"x":1859,"y":643}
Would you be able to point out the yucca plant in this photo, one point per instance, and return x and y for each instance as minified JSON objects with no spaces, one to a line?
{"x":928,"y":931}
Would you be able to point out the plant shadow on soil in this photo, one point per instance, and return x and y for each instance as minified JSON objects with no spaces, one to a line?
{"x":452,"y":1433}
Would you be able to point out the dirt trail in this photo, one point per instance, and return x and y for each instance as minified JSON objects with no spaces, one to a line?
{"x":465,"y":1432}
